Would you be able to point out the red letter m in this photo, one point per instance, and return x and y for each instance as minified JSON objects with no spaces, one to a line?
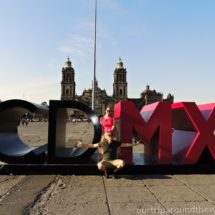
{"x":153,"y":126}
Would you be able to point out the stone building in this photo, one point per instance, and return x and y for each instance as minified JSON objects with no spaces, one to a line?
{"x":102,"y":99}
{"x":120,"y":90}
{"x":120,"y":85}
{"x":68,"y":82}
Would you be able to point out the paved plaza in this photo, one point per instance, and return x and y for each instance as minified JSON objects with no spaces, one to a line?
{"x":140,"y":194}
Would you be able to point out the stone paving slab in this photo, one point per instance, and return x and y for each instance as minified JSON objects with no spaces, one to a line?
{"x":84,"y":181}
{"x":24,"y":194}
{"x":79,"y":200}
{"x":76,"y":209}
{"x":129,"y":194}
{"x":7,"y":182}
{"x":196,"y":179}
{"x":207,"y":190}
{"x":164,"y":180}
{"x":175,"y":193}
{"x":126,"y":181}
{"x":69,"y":198}
{"x":4,"y":178}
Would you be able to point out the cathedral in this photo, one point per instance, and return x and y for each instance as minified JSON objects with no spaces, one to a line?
{"x":102,"y":99}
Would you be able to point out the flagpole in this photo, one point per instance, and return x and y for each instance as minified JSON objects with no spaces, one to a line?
{"x":94,"y":64}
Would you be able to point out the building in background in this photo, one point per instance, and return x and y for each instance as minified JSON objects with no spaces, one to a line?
{"x":68,"y":82}
{"x":102,"y":99}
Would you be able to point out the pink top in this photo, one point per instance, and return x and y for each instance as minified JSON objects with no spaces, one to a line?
{"x":106,"y":123}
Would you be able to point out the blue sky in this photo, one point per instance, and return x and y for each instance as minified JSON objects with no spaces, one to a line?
{"x":168,"y":44}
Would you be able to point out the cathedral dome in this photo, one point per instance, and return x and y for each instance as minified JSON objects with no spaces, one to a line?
{"x":68,"y":64}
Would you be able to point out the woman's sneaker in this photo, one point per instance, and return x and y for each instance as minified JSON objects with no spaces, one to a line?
{"x":106,"y":174}
{"x":115,"y":175}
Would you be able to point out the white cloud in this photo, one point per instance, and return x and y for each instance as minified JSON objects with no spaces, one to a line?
{"x":70,"y":50}
{"x":78,"y":46}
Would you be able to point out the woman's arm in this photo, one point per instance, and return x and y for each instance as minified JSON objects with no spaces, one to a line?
{"x":87,"y":145}
{"x":112,"y":128}
{"x":113,"y":125}
{"x":130,"y":145}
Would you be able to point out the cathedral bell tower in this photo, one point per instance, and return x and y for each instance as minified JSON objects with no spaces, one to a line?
{"x":120,"y":83}
{"x":68,"y":82}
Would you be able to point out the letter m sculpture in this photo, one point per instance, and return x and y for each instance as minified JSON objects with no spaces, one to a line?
{"x":152,"y":124}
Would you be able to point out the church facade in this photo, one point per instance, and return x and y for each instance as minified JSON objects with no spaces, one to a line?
{"x":102,"y":99}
